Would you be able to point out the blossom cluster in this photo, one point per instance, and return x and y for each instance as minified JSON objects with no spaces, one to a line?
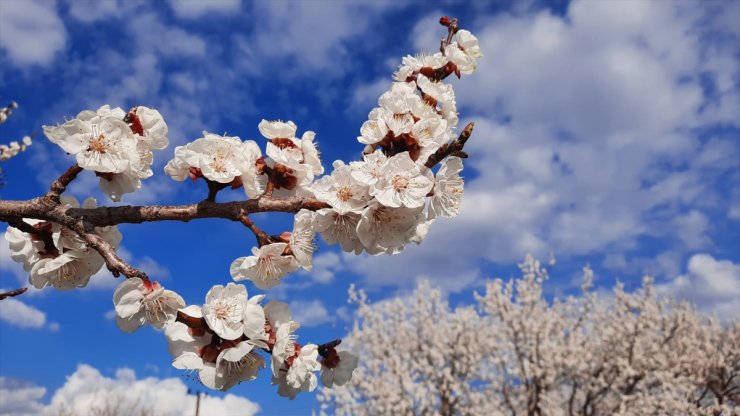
{"x":220,"y":340}
{"x":57,"y":256}
{"x":115,"y":144}
{"x":378,"y":204}
{"x":600,"y":353}
{"x":382,"y":202}
{"x":13,"y":148}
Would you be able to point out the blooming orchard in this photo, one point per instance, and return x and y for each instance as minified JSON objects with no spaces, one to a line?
{"x":378,"y":204}
{"x":517,"y":354}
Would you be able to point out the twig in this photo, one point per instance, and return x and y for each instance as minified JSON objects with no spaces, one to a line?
{"x":455,"y":147}
{"x":115,"y":264}
{"x":7,"y":110}
{"x":324,"y":348}
{"x":262,"y":237}
{"x":60,"y":185}
{"x":12,"y":293}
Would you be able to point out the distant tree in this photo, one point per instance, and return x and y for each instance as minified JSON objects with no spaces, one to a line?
{"x":517,"y":354}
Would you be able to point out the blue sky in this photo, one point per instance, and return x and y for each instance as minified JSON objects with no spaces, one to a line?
{"x":606,"y":132}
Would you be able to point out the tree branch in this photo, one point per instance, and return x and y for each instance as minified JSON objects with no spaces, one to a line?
{"x":453,"y":148}
{"x":262,"y":237}
{"x":12,"y":293}
{"x":105,"y":216}
{"x":60,"y":185}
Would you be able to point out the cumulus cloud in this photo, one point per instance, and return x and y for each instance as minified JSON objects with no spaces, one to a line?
{"x":309,"y":313}
{"x":90,"y":11}
{"x":713,"y":285}
{"x":17,"y":313}
{"x":282,"y":28}
{"x":31,"y":32}
{"x":19,"y":397}
{"x":87,"y":391}
{"x":196,"y":8}
{"x":586,"y":138}
{"x":325,"y":267}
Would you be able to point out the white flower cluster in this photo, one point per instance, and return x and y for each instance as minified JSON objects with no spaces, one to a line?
{"x":14,"y":148}
{"x":220,"y":340}
{"x":7,"y":110}
{"x":389,"y":198}
{"x":377,"y":205}
{"x":114,"y":144}
{"x":56,"y":256}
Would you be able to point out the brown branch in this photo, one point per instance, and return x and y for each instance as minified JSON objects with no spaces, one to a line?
{"x":105,"y":216}
{"x":262,"y":237}
{"x":60,"y":185}
{"x":12,"y":293}
{"x":454,"y":148}
{"x":15,"y":222}
{"x":115,"y":264}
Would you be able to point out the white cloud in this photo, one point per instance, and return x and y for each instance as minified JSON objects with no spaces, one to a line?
{"x":325,"y":267}
{"x":87,"y":391}
{"x":197,"y":8}
{"x":31,"y":31}
{"x":692,"y":228}
{"x":90,"y":11}
{"x":713,"y":285}
{"x":311,"y":35}
{"x":584,"y":139}
{"x":15,"y":312}
{"x":20,"y":398}
{"x":309,"y":313}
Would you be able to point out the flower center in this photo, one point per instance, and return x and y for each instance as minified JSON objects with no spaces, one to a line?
{"x":267,"y":266}
{"x":223,"y":310}
{"x":154,"y":309}
{"x":219,"y":162}
{"x":98,"y":144}
{"x":400,"y":182}
{"x":344,"y":193}
{"x":67,"y":272}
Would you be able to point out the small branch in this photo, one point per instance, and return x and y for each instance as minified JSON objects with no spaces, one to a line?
{"x":213,"y":188}
{"x":262,"y":237}
{"x":19,"y":224}
{"x":12,"y":293}
{"x":324,"y":348}
{"x":60,"y":185}
{"x":455,"y":147}
{"x":115,"y":264}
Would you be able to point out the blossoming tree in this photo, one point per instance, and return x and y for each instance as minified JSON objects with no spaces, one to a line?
{"x":406,"y":177}
{"x":517,"y":354}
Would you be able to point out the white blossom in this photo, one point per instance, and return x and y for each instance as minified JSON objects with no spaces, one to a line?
{"x":448,"y":189}
{"x":403,"y":183}
{"x":101,"y":141}
{"x":137,"y":302}
{"x":302,"y":238}
{"x":338,"y":228}
{"x":224,"y":310}
{"x":385,"y":229}
{"x":277,"y":129}
{"x":265,"y":267}
{"x":340,"y":373}
{"x":341,"y":190}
